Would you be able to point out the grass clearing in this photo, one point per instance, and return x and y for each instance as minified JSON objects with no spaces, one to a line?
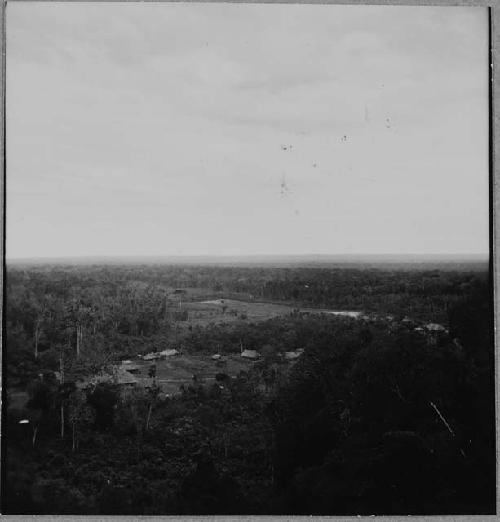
{"x":171,"y":373}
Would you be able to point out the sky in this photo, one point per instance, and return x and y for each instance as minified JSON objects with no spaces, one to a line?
{"x":237,"y":129}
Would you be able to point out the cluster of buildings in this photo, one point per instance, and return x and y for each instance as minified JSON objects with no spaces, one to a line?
{"x":125,"y":373}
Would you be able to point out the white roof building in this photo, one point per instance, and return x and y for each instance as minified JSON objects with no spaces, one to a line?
{"x":169,"y":353}
{"x":434,"y":327}
{"x":151,"y":356}
{"x":250,"y":354}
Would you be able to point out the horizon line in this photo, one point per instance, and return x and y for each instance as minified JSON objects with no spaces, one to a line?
{"x":477,"y":256}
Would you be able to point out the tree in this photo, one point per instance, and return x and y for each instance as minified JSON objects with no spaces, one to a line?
{"x":153,"y":392}
{"x":103,"y":398}
{"x":80,"y":415}
{"x":43,"y":397}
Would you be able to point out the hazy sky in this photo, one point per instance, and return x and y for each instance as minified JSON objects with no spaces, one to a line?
{"x":159,"y":129}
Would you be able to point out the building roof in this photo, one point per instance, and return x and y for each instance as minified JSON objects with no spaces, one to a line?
{"x":250,"y":354}
{"x":118,"y":375}
{"x":434,"y":327}
{"x":122,"y":376}
{"x":131,"y":367}
{"x":168,"y":353}
{"x":151,"y":356}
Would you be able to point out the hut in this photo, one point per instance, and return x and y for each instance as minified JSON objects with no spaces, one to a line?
{"x":131,"y":368}
{"x":250,"y":354}
{"x":434,"y":327}
{"x":117,"y":375}
{"x":123,"y":377}
{"x":152,"y":356}
{"x":169,"y":352}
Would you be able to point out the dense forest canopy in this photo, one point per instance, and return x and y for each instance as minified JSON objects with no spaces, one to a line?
{"x":391,"y":412}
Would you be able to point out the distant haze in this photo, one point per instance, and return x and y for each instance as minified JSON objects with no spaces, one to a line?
{"x":170,"y":129}
{"x":476,"y":262}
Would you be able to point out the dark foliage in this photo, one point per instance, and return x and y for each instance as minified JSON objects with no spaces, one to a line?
{"x":374,"y":417}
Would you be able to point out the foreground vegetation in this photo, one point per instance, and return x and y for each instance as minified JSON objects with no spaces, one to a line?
{"x":373,"y":417}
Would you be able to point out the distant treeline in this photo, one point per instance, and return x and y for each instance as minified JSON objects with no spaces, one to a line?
{"x":422,"y":292}
{"x":128,"y":309}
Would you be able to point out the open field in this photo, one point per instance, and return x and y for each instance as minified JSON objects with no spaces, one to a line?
{"x":223,"y":310}
{"x":230,"y":310}
{"x":171,"y":373}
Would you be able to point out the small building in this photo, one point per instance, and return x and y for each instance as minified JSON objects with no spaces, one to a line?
{"x":434,"y":327}
{"x":250,"y":354}
{"x":152,"y":356}
{"x":169,"y":353}
{"x":131,"y":368}
{"x":123,"y":377}
{"x":291,"y":356}
{"x":118,"y":375}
